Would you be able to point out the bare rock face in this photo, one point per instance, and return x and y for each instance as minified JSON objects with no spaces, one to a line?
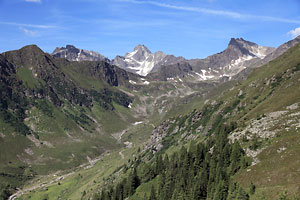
{"x":239,"y":55}
{"x":280,"y":50}
{"x":72,"y":53}
{"x":236,"y":61}
{"x":158,"y":134}
{"x":270,"y":56}
{"x":142,"y":61}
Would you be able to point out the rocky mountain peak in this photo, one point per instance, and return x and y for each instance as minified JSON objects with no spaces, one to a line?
{"x":142,"y":61}
{"x":30,"y":49}
{"x":245,"y":48}
{"x":140,"y":53}
{"x":27,"y":55}
{"x":142,"y":48}
{"x":69,"y":46}
{"x":72,"y":53}
{"x":241,"y":43}
{"x":239,"y":55}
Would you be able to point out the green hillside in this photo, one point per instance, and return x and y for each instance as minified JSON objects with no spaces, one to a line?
{"x":233,"y":140}
{"x":52,"y":121}
{"x":261,"y":113}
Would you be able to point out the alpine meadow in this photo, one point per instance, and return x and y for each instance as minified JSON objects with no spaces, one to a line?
{"x":205,"y":104}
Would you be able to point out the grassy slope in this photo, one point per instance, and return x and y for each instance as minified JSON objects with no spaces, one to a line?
{"x":277,"y":171}
{"x":91,"y":179}
{"x":263,"y":92}
{"x":270,"y":88}
{"x":66,"y":137}
{"x":135,"y":134}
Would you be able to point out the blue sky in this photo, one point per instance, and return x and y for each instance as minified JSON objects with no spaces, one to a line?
{"x":189,"y":28}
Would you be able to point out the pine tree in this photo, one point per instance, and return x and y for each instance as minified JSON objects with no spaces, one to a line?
{"x":242,"y":194}
{"x":252,"y":188}
{"x":148,"y":173}
{"x":169,"y":186}
{"x":162,"y":181}
{"x":166,"y":161}
{"x":159,"y":165}
{"x":235,"y":156}
{"x":152,"y":194}
{"x":221,"y":191}
{"x":133,"y":182}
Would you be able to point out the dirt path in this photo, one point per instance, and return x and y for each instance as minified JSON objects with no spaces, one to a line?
{"x":88,"y":165}
{"x":42,"y":185}
{"x":121,"y":154}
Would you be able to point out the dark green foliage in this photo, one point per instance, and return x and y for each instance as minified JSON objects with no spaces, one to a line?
{"x":45,"y":107}
{"x":255,"y":143}
{"x":283,"y":196}
{"x":13,"y":102}
{"x":202,"y":172}
{"x":79,"y":118}
{"x":105,"y":98}
{"x":235,"y":158}
{"x":297,"y":68}
{"x":152,"y":194}
{"x":49,"y":87}
{"x":206,"y":115}
{"x":252,"y":188}
{"x":242,"y":194}
{"x":229,"y":109}
{"x":4,"y":191}
{"x":16,"y":122}
{"x":276,"y":82}
{"x":237,"y":192}
{"x":133,"y":181}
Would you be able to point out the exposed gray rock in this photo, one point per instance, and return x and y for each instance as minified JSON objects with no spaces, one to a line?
{"x":157,"y":136}
{"x":239,"y":55}
{"x":142,"y":61}
{"x":72,"y":53}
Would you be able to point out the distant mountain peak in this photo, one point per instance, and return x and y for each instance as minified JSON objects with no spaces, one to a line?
{"x":241,"y":43}
{"x":141,"y":47}
{"x":71,"y":53}
{"x":32,"y":47}
{"x":244,"y":47}
{"x":69,"y":46}
{"x":142,"y":61}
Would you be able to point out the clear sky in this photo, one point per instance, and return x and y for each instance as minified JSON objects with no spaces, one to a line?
{"x":189,"y":28}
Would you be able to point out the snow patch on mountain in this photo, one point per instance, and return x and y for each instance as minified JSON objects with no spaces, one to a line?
{"x":142,"y":61}
{"x":72,"y":53}
{"x":204,"y":76}
{"x":260,"y":51}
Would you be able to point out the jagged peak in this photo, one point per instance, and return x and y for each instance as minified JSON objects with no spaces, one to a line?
{"x":69,"y":46}
{"x":141,"y":47}
{"x":240,"y":42}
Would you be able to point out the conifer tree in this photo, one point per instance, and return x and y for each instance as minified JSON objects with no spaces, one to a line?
{"x":152,"y":194}
{"x":252,"y":188}
{"x":133,"y":182}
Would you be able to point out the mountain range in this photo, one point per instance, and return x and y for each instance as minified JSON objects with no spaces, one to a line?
{"x":239,"y":55}
{"x":61,"y":110}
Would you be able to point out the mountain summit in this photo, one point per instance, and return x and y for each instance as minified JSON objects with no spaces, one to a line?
{"x":250,"y":48}
{"x":238,"y":55}
{"x":142,"y":61}
{"x":72,"y":53}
